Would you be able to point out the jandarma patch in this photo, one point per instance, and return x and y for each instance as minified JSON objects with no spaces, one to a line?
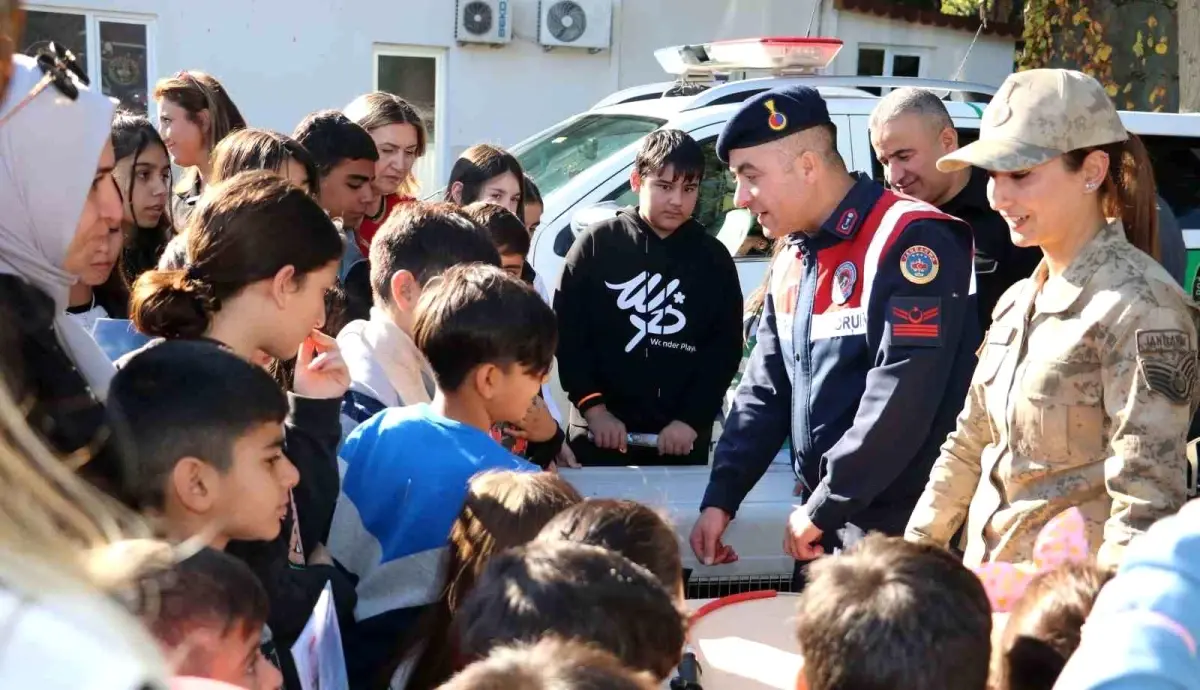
{"x":919,"y":264}
{"x":776,"y":120}
{"x":1168,"y":363}
{"x":844,"y":278}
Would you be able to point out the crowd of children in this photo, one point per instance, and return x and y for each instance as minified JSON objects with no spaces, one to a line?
{"x":332,"y":386}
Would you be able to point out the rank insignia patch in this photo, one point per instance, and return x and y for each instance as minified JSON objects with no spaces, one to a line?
{"x":915,"y":321}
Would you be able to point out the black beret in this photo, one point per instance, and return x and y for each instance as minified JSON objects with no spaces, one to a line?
{"x":772,"y":115}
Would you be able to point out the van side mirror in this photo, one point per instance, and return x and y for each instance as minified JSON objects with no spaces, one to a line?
{"x":584,"y":217}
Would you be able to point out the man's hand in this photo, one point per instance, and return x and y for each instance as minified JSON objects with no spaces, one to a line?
{"x":320,"y":370}
{"x":676,"y":438}
{"x":801,"y":538}
{"x":537,"y":426}
{"x":608,"y":432}
{"x":706,"y":538}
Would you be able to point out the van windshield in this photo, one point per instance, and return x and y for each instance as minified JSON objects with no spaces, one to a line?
{"x":579,"y":143}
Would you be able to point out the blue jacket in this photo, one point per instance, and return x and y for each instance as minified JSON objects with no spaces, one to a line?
{"x":405,"y":473}
{"x":864,"y":354}
{"x":1142,"y":632}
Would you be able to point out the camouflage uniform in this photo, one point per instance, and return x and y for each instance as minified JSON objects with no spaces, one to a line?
{"x":1086,"y":382}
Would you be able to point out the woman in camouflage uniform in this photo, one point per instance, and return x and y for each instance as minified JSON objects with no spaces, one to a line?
{"x":1086,"y":381}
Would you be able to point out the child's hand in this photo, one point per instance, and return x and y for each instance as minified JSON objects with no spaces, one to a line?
{"x":320,"y":370}
{"x":538,"y":424}
{"x":566,"y":458}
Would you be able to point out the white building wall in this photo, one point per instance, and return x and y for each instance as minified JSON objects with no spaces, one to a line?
{"x":942,"y":49}
{"x":281,"y":59}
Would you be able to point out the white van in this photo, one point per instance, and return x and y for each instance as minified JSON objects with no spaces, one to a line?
{"x":582,"y":167}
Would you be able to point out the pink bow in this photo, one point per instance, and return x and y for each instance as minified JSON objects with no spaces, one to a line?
{"x":1062,"y":540}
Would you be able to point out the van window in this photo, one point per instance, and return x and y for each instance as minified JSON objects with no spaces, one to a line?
{"x":1176,"y":162}
{"x":736,"y":228}
{"x":562,"y":153}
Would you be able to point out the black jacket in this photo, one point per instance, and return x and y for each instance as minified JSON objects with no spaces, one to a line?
{"x":653,"y":325}
{"x":41,"y":377}
{"x":998,"y":262}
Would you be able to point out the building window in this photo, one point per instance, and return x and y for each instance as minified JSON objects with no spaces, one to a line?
{"x":881,"y":61}
{"x":113,"y":50}
{"x":416,"y":74}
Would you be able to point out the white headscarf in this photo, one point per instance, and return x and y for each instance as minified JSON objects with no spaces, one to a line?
{"x":48,"y":155}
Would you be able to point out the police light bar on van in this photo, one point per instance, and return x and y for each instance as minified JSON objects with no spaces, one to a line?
{"x":796,"y":55}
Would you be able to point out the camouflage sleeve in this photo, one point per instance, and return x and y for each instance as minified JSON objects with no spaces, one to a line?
{"x":1149,"y":378}
{"x":955,"y":476}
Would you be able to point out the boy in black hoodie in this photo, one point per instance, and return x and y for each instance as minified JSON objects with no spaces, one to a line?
{"x":649,"y":312}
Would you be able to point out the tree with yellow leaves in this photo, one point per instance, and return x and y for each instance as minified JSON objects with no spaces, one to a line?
{"x":1130,"y":47}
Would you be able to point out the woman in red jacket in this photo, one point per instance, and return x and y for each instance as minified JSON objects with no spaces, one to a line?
{"x":400,"y":136}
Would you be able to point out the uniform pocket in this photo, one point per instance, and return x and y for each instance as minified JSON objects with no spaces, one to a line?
{"x":995,"y":348}
{"x":1060,"y":413}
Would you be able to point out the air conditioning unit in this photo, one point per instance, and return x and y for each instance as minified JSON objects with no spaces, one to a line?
{"x":483,"y":21}
{"x":575,"y":24}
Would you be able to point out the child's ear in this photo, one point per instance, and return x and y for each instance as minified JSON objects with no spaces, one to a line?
{"x":456,"y":190}
{"x":405,"y":290}
{"x":487,"y":380}
{"x":195,"y":485}
{"x":635,"y":181}
{"x":283,"y":285}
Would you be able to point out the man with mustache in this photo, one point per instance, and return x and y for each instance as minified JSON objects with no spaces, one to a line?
{"x":910,"y":130}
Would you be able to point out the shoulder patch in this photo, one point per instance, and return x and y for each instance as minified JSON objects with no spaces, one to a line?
{"x":915,"y":321}
{"x":919,"y":264}
{"x":1167,"y":360}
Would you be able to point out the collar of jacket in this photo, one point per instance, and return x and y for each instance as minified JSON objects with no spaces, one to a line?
{"x":643,"y":227}
{"x":850,"y":214}
{"x":1058,"y":294}
{"x":972,"y":197}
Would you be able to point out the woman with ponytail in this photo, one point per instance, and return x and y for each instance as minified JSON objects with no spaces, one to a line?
{"x":1086,"y":381}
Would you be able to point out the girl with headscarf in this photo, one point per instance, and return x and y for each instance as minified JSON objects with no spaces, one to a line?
{"x":58,"y":206}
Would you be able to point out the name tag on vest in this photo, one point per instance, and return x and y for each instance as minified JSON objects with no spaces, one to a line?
{"x":838,"y":324}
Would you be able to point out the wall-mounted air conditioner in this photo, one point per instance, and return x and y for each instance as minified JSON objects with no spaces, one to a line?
{"x":575,"y":24}
{"x":483,"y":21}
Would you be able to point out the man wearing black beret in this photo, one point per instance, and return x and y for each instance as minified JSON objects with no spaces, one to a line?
{"x":866,"y":344}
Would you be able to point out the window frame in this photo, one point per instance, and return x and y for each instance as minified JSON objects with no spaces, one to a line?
{"x":890,"y":52}
{"x":438,"y":153}
{"x":93,"y":19}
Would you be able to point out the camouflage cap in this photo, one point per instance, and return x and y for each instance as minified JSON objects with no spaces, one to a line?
{"x":1037,"y":116}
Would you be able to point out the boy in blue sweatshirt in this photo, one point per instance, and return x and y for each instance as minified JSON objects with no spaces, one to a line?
{"x":490,"y":340}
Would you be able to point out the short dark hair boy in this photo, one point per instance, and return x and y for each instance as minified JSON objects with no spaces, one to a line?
{"x":671,"y":149}
{"x":891,"y":614}
{"x":417,"y":243}
{"x":202,"y":432}
{"x":551,"y":664}
{"x":489,"y":340}
{"x":479,"y":318}
{"x":345,"y":155}
{"x":423,"y":239}
{"x":207,"y":612}
{"x":575,"y":591}
{"x":508,"y":233}
{"x":652,"y":295}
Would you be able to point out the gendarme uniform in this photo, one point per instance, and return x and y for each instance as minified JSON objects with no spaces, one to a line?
{"x":1086,"y":380}
{"x":864,"y":350}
